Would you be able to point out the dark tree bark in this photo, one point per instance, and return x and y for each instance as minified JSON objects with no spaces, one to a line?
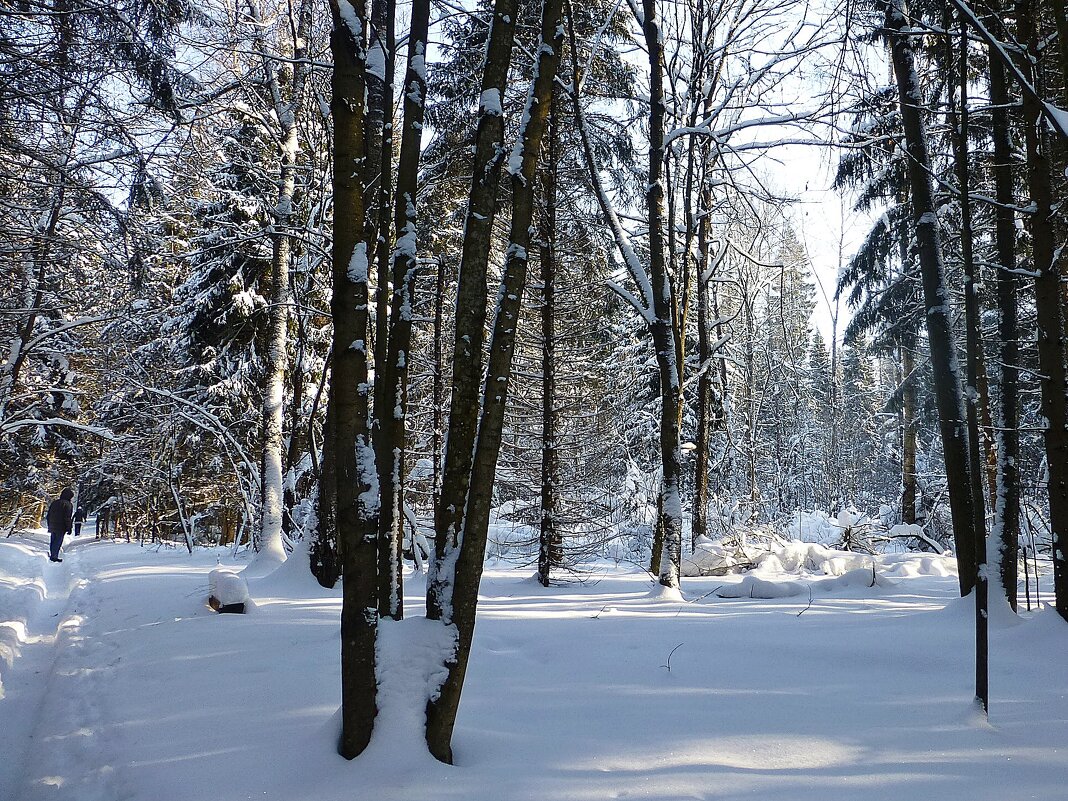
{"x":1007,"y":496}
{"x":549,"y":535}
{"x":664,"y":328}
{"x":356,"y":497}
{"x":1048,"y":264}
{"x":324,"y":553}
{"x":393,"y":398}
{"x":974,"y":350}
{"x":378,"y":197}
{"x":948,"y":394}
{"x":439,"y":379}
{"x":704,"y":382}
{"x":908,"y":430}
{"x":463,"y":570}
{"x":470,"y":323}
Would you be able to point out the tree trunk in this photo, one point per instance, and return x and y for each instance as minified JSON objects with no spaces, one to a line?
{"x":1007,"y":496}
{"x":1048,"y":256}
{"x":908,"y":431}
{"x":324,"y":553}
{"x":356,"y":491}
{"x":459,"y":565}
{"x":393,"y":398}
{"x":974,"y":349}
{"x":664,"y":328}
{"x":286,"y":100}
{"x":950,"y":399}
{"x":469,"y":335}
{"x":549,"y":536}
{"x":439,"y":379}
{"x":704,"y":382}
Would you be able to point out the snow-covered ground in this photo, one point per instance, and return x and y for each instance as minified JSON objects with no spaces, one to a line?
{"x":118,"y":682}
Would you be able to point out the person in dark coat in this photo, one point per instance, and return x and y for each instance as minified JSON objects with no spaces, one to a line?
{"x":79,"y":518}
{"x":60,"y":519}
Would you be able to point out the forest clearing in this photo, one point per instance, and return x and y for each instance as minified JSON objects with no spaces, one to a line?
{"x":127,"y":686}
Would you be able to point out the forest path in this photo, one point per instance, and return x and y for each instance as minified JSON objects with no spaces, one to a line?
{"x":120,"y":683}
{"x":67,"y":674}
{"x":65,"y":736}
{"x":35,"y":642}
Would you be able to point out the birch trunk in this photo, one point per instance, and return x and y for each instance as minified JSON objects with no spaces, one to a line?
{"x":286,"y":101}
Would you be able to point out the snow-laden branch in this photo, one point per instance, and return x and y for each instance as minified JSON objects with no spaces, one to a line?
{"x":703,"y":128}
{"x":210,"y":423}
{"x":638,"y":273}
{"x":745,"y":254}
{"x":1057,"y":117}
{"x":37,"y":340}
{"x":708,"y":272}
{"x":7,"y":426}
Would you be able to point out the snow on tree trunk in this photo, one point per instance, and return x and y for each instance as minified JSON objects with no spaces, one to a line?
{"x":464,"y":559}
{"x":1048,"y":259}
{"x":286,"y":100}
{"x":950,"y":398}
{"x":664,"y":329}
{"x":973,"y":398}
{"x":549,"y":535}
{"x":1007,"y":495}
{"x":356,"y":485}
{"x":470,"y":324}
{"x":393,"y":375}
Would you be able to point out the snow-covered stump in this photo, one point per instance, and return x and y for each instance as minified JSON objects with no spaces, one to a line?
{"x":227,"y":591}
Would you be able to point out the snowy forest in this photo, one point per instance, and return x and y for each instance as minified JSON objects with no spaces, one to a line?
{"x":392,"y":304}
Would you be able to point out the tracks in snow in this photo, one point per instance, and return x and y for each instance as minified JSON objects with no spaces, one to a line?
{"x":70,"y":749}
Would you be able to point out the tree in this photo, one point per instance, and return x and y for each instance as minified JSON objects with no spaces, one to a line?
{"x":952,"y":418}
{"x":356,"y":486}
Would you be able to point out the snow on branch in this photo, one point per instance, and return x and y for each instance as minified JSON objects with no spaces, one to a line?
{"x":1057,"y":117}
{"x":209,"y":423}
{"x":703,"y":128}
{"x":37,"y":340}
{"x":7,"y":426}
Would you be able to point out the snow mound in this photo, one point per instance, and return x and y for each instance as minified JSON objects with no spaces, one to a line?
{"x":713,"y":558}
{"x":709,"y":558}
{"x":27,"y":578}
{"x":916,"y":566}
{"x":227,"y":587}
{"x":753,"y":587}
{"x":815,"y":526}
{"x":669,"y":594}
{"x":860,"y":577}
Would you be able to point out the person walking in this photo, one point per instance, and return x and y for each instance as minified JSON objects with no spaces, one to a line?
{"x":79,"y":518}
{"x":60,"y":518}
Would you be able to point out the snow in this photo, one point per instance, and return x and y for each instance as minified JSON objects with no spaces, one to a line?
{"x":351,"y":20}
{"x":357,"y":271}
{"x":490,"y":102}
{"x":119,"y":682}
{"x":227,"y":587}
